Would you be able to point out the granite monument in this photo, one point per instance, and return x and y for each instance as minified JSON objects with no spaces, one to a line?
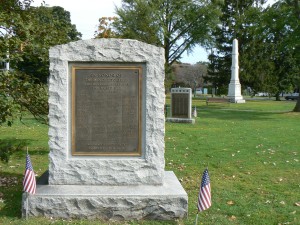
{"x":106,"y":135}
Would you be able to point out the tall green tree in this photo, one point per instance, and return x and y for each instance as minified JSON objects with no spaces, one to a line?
{"x":13,"y":17}
{"x":238,"y":17}
{"x":282,"y":33}
{"x":26,"y":34}
{"x":51,"y":26}
{"x":175,"y":25}
{"x":268,"y":46}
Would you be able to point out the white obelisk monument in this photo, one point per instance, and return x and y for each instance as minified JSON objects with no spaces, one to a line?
{"x":234,"y":90}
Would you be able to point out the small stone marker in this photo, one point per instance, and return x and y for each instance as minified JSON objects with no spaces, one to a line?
{"x":181,"y":106}
{"x":106,"y":135}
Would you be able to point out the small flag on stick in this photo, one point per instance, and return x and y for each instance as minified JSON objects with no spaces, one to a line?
{"x":195,"y":112}
{"x":204,"y":198}
{"x":29,"y":182}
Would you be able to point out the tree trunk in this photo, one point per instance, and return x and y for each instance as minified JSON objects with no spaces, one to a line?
{"x":277,"y":96}
{"x":297,"y":107}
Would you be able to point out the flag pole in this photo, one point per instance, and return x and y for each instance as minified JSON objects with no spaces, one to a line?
{"x":196,"y":222}
{"x":27,"y":194}
{"x":26,"y":205}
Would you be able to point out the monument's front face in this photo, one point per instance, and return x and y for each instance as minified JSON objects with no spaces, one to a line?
{"x":181,"y":105}
{"x":106,"y":135}
{"x":111,"y":99}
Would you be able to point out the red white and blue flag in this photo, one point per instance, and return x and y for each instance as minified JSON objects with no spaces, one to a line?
{"x":204,"y":198}
{"x":29,"y":182}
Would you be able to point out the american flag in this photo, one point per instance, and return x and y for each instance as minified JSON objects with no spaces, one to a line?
{"x":204,"y":198}
{"x":29,"y":182}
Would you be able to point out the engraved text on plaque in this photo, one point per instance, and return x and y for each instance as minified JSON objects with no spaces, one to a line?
{"x":106,"y":110}
{"x":180,"y":105}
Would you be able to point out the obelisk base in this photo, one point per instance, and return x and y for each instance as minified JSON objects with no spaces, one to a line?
{"x":234,"y":92}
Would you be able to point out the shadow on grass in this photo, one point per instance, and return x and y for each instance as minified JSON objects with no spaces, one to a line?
{"x":18,"y":147}
{"x":9,"y":146}
{"x":11,"y":192}
{"x":237,"y":115}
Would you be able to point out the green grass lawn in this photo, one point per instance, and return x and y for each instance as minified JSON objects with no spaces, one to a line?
{"x":251,"y":150}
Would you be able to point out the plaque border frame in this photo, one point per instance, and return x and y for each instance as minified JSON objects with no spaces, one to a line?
{"x":73,"y":127}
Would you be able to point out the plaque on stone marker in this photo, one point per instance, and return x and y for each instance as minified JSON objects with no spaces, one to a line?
{"x":106,"y":110}
{"x":180,"y":105}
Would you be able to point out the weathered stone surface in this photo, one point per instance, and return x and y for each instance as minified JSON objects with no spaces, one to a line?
{"x":67,"y":169}
{"x":180,"y":120}
{"x":160,"y":202}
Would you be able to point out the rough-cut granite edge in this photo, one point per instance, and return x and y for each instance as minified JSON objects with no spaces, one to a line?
{"x":65,"y":169}
{"x":162,"y":202}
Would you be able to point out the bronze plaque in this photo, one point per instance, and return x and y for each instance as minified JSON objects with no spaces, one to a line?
{"x":180,"y":105}
{"x":106,"y":110}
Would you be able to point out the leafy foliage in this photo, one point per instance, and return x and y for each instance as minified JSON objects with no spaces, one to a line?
{"x":26,"y":34}
{"x":237,"y":21}
{"x":177,"y":26}
{"x":19,"y":93}
{"x":268,"y":46}
{"x":51,"y":26}
{"x":105,"y":28}
{"x":282,"y":33}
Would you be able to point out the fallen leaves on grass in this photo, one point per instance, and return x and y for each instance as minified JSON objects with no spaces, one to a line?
{"x":181,"y":167}
{"x":230,"y":202}
{"x":271,"y":151}
{"x":232,"y":218}
{"x":8,"y":181}
{"x":297,"y":203}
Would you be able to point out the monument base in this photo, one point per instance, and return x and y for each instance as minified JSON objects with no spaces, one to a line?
{"x":237,"y":99}
{"x":161,"y":202}
{"x":240,"y":101}
{"x":180,"y":120}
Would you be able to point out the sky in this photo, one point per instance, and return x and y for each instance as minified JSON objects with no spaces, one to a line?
{"x":85,"y":15}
